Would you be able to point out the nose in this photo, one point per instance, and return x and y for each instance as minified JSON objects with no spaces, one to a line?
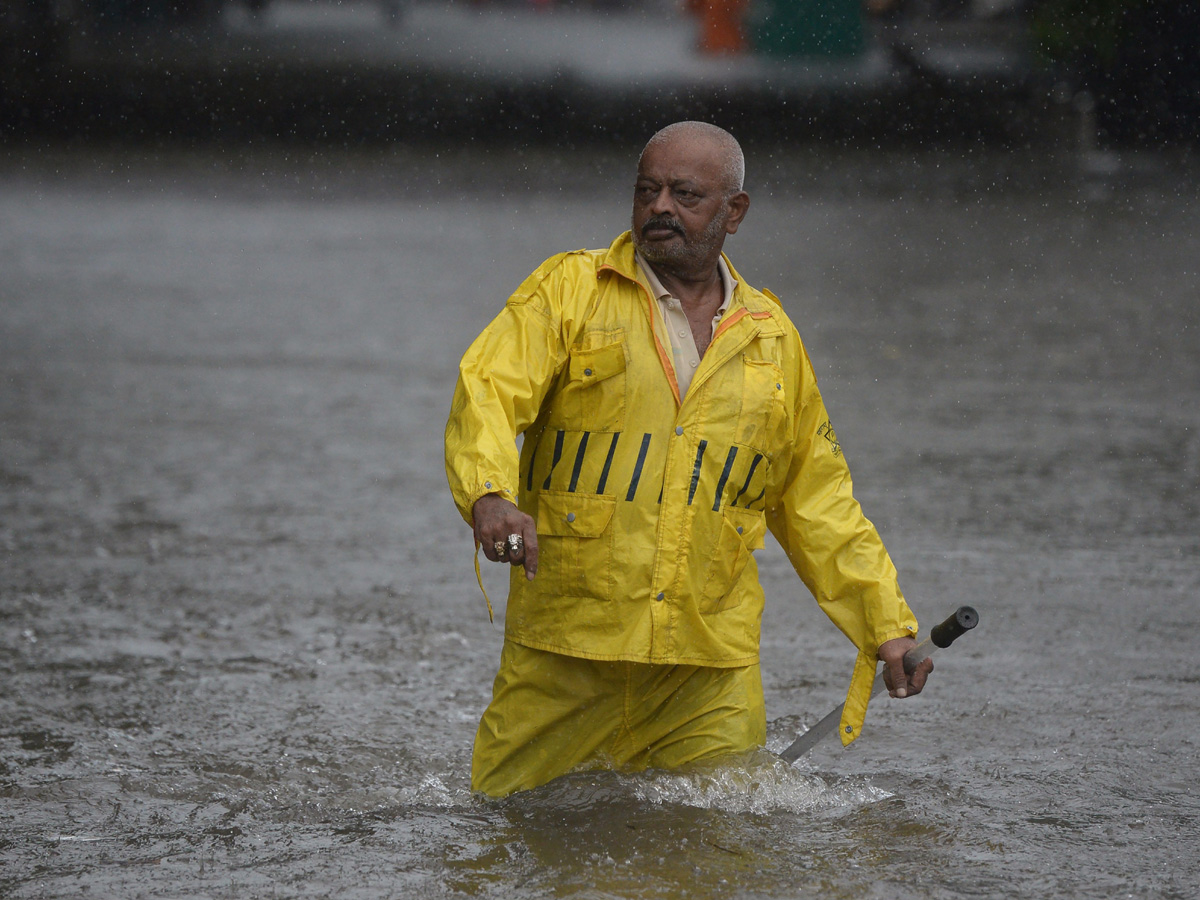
{"x":661,"y":202}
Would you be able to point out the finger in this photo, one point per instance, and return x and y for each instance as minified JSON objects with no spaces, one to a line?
{"x":899,"y":681}
{"x":531,"y":549}
{"x":916,"y":681}
{"x":486,"y":546}
{"x":486,"y":542}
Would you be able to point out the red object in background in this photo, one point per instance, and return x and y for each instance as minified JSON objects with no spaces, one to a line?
{"x":721,"y":28}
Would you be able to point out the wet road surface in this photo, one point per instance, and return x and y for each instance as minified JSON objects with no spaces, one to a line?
{"x":241,"y":646}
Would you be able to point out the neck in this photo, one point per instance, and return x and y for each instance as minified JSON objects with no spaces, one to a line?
{"x":691,"y":286}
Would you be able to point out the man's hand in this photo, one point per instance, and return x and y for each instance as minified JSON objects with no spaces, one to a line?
{"x":898,"y":683}
{"x":497,"y":519}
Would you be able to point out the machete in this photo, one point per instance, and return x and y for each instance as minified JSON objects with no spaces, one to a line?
{"x":940,"y":637}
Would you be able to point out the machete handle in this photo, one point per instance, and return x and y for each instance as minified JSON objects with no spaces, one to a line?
{"x":963,"y":620}
{"x":942,"y":636}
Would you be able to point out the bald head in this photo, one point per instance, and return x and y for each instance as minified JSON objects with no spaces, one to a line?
{"x":687,"y":198}
{"x":731,"y":161}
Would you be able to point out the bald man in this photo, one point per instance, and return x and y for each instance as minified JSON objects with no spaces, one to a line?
{"x":670,"y":418}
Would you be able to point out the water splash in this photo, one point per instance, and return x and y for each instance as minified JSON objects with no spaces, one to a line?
{"x":433,"y":791}
{"x":758,"y":782}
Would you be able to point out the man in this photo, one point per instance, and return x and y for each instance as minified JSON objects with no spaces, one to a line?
{"x":670,"y":416}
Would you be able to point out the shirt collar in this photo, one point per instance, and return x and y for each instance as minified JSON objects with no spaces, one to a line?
{"x":727,"y":281}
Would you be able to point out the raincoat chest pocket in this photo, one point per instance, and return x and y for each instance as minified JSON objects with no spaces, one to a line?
{"x":593,"y":395}
{"x":742,"y":531}
{"x":575,"y":543}
{"x":762,"y":410}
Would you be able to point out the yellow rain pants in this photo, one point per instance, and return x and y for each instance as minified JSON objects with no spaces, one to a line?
{"x":552,"y":714}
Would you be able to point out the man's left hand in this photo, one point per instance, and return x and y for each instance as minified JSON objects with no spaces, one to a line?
{"x":891,"y":653}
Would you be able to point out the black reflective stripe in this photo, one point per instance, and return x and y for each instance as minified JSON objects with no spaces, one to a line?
{"x":756,"y":499}
{"x":637,"y":469}
{"x":529,"y":474}
{"x":753,"y":465}
{"x":578,"y":462}
{"x":696,"y":471}
{"x":612,"y":449}
{"x":724,"y":477}
{"x":558,"y":442}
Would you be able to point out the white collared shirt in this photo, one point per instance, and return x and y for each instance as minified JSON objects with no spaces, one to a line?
{"x":672,"y":324}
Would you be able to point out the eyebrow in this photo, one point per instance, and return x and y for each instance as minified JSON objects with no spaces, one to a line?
{"x":676,"y":183}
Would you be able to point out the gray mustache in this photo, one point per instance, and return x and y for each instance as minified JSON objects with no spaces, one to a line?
{"x":663,"y":222}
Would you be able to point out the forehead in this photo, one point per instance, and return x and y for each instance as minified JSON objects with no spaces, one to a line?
{"x":682,"y":158}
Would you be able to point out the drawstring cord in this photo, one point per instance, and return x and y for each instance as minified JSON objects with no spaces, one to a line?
{"x":479,"y":578}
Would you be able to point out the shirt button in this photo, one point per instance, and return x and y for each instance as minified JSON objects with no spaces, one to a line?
{"x":694,"y":364}
{"x":570,"y":517}
{"x":661,"y":596}
{"x":683,"y":334}
{"x":679,"y":429}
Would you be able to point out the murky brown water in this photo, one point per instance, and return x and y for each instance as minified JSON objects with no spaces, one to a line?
{"x":242,"y":653}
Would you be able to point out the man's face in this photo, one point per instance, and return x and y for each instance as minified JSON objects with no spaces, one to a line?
{"x":681,"y":209}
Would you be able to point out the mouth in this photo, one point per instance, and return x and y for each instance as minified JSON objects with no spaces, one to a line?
{"x":660,"y":231}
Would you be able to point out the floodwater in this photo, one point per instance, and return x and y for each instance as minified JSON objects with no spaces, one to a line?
{"x":242,"y":651}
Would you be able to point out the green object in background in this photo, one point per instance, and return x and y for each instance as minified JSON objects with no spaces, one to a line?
{"x":825,"y":28}
{"x":1087,"y":32}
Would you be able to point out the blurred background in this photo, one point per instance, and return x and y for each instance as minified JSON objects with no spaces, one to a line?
{"x":353,"y":70}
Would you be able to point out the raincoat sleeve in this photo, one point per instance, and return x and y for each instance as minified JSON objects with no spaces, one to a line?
{"x":834,"y":548}
{"x":503,"y":379}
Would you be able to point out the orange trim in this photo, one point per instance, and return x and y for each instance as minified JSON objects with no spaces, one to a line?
{"x":736,"y":317}
{"x":731,"y":320}
{"x":663,"y":358}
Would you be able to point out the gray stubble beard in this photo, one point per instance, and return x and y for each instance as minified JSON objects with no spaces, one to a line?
{"x":691,"y":253}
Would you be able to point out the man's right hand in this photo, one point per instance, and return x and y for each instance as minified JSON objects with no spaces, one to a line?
{"x":496,"y":519}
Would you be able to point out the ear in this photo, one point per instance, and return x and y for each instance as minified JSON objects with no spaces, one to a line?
{"x":738,"y":205}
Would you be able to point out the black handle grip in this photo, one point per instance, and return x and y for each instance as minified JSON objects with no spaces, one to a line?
{"x":963,"y":620}
{"x":943,"y":635}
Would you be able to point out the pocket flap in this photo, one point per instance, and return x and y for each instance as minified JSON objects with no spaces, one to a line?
{"x":566,"y":514}
{"x":589,"y":366}
{"x":750,"y":525}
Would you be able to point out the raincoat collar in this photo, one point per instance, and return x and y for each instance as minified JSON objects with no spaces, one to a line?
{"x":762,"y":306}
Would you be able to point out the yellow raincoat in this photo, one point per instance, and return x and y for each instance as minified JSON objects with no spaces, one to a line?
{"x":648,"y":510}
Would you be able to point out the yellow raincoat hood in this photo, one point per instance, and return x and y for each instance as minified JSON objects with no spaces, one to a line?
{"x":649,"y":510}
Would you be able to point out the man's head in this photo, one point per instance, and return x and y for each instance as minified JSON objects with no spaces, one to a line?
{"x":688,"y":196}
